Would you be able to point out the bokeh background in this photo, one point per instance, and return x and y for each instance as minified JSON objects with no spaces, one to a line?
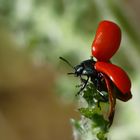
{"x":36,"y":96}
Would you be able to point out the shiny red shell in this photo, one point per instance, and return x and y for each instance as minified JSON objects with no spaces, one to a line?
{"x":107,"y":40}
{"x":117,"y":75}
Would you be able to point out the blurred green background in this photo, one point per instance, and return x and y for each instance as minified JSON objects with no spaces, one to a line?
{"x":36,"y":96}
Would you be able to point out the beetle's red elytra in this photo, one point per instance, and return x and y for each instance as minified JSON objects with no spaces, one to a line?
{"x":107,"y":40}
{"x":117,"y":75}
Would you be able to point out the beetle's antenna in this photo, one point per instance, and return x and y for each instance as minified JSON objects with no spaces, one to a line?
{"x":66,"y":62}
{"x":70,"y":73}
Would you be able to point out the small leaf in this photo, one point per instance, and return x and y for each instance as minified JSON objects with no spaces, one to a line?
{"x":93,"y":97}
{"x":89,"y":112}
{"x":99,"y":121}
{"x":77,"y":125}
{"x":101,"y":136}
{"x":89,"y":94}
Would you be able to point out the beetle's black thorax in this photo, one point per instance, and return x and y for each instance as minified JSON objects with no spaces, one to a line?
{"x":86,"y":68}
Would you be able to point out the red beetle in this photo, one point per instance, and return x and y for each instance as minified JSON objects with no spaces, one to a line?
{"x":105,"y":76}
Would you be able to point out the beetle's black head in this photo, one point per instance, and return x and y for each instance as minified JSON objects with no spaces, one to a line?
{"x":78,"y":70}
{"x":84,"y":68}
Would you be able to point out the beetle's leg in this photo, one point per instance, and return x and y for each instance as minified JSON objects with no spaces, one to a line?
{"x":83,"y":81}
{"x":84,"y":84}
{"x":112,"y":100}
{"x":99,"y":85}
{"x":102,"y":99}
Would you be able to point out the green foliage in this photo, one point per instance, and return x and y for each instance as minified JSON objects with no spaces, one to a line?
{"x":77,"y":126}
{"x":92,"y":115}
{"x":87,"y":17}
{"x":127,"y":26}
{"x":92,"y":96}
{"x":101,"y":136}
